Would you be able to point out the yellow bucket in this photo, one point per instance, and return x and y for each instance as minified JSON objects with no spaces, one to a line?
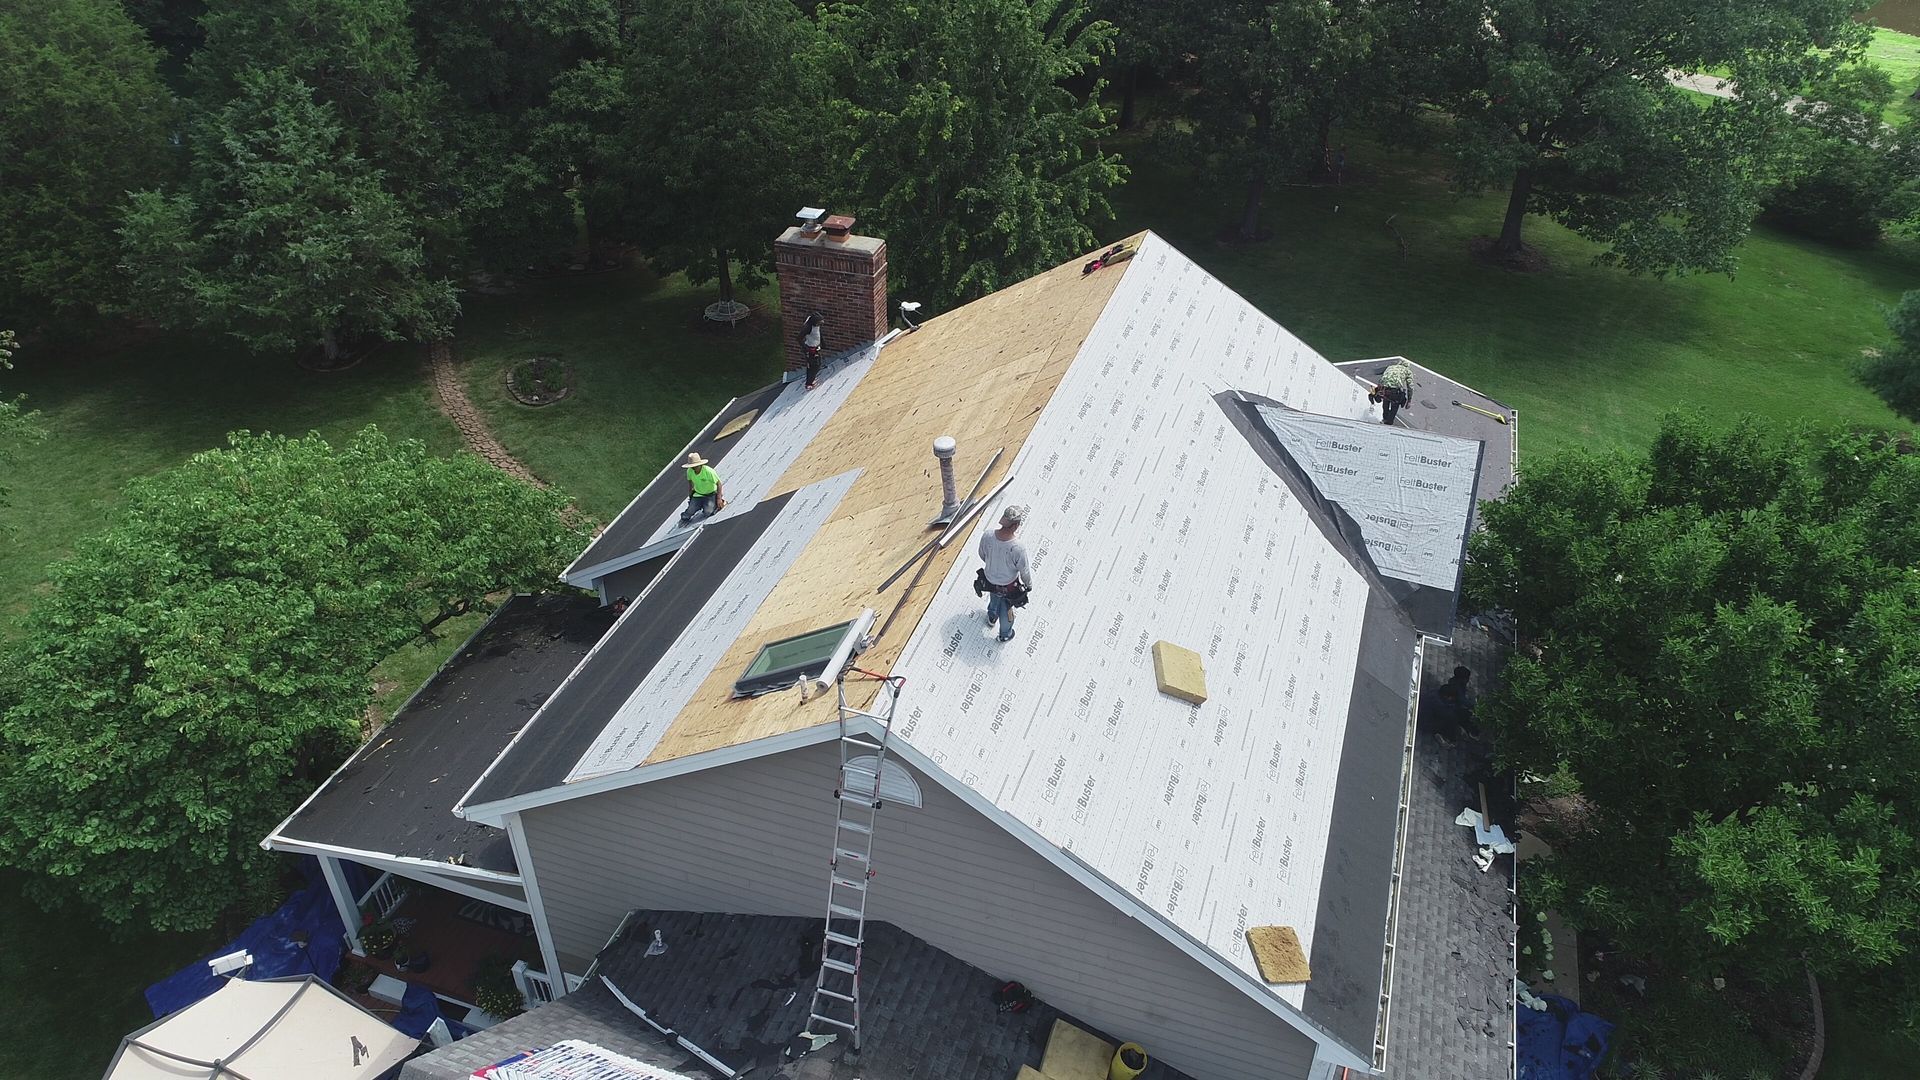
{"x":1128,"y":1062}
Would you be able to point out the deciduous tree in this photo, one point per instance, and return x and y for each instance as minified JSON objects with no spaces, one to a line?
{"x":1269,"y":78}
{"x":83,"y":120}
{"x":714,"y":161}
{"x":202,"y":662}
{"x":1723,"y":666}
{"x":284,"y":237}
{"x":1566,"y":105}
{"x":956,"y":137}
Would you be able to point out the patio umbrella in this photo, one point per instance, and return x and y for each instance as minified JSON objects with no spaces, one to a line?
{"x":294,"y":1026}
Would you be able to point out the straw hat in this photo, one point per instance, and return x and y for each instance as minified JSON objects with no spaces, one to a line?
{"x":694,"y":461}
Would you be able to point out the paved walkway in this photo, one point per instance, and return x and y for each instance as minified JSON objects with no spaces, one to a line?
{"x":452,"y":395}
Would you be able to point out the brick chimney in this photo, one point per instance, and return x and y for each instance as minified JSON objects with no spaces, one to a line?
{"x":824,"y":267}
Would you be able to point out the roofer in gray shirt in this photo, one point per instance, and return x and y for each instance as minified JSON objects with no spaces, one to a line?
{"x":1006,"y":576}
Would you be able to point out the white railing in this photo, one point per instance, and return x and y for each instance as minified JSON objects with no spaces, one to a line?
{"x":535,"y":987}
{"x":383,"y":895}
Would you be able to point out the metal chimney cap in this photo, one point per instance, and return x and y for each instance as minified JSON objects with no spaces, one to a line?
{"x":945,"y":447}
{"x":810,"y":214}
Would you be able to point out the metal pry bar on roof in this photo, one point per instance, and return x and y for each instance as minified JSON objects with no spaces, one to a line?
{"x":929,"y":545}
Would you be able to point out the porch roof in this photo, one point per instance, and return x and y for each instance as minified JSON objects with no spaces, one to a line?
{"x":395,"y":795}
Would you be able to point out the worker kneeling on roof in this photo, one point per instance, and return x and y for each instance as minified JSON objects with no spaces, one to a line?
{"x":705,"y":496}
{"x":1006,"y":577}
{"x":1394,"y":391}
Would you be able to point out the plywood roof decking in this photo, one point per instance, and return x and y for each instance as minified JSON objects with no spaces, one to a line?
{"x":981,"y":374}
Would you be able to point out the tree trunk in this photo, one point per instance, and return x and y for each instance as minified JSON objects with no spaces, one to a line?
{"x":330,"y":345}
{"x":1516,"y":212}
{"x":726,"y":275}
{"x":1129,"y":78}
{"x":1326,"y":142}
{"x":1250,"y":214}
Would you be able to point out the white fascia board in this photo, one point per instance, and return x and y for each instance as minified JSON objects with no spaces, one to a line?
{"x":495,"y":813}
{"x":573,"y":570}
{"x":268,"y":840}
{"x":1331,"y":1049}
{"x":460,"y":805}
{"x":404,"y":865}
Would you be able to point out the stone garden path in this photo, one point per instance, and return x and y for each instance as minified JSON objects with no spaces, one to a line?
{"x":453,"y":399}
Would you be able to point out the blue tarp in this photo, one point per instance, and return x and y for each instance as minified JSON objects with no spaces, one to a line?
{"x":418,"y":1010}
{"x":271,"y":941}
{"x":1561,"y":1043}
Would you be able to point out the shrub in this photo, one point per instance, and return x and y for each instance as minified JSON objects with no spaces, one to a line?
{"x":494,"y":989}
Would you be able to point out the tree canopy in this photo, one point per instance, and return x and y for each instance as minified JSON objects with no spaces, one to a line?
{"x":1894,"y":374}
{"x":715,"y":164}
{"x":204,"y":661}
{"x":1722,"y":673}
{"x":1269,"y":80}
{"x":284,"y":237}
{"x":84,"y":119}
{"x":954,"y":132}
{"x":1566,"y":104}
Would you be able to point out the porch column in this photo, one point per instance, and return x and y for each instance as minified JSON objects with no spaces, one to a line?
{"x":343,"y":899}
{"x":524,"y":860}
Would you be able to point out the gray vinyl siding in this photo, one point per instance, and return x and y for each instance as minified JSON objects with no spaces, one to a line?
{"x":753,"y":838}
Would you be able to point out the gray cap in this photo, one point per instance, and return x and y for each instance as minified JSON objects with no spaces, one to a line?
{"x":1013,"y":515}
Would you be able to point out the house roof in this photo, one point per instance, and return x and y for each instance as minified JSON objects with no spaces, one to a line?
{"x":395,"y":795}
{"x":622,"y":698}
{"x":1154,"y":517}
{"x":1161,"y":510}
{"x":1016,"y":344}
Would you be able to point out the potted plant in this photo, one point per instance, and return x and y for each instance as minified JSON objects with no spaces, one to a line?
{"x":378,"y":939}
{"x":494,"y":990}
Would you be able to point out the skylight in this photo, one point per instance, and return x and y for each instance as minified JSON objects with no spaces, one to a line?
{"x":782,"y":663}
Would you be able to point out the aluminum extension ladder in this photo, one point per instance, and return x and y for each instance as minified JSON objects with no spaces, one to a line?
{"x":836,"y":991}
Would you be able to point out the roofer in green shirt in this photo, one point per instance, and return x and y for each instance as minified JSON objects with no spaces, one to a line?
{"x":705,"y":496}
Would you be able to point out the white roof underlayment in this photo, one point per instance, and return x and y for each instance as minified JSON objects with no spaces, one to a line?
{"x":777,"y":436}
{"x":1151,"y":519}
{"x":766,"y":449}
{"x":1411,"y":492}
{"x":651,"y":708}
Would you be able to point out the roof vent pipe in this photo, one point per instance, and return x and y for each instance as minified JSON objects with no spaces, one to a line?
{"x":944,"y":448}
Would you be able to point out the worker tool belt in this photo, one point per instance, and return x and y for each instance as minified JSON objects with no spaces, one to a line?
{"x":1016,"y":596}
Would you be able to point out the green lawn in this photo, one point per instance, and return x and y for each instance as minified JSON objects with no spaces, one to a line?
{"x":139,"y":410}
{"x":1590,"y":356}
{"x":648,"y":374}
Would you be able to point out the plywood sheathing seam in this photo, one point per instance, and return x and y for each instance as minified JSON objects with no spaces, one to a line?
{"x":1276,"y":949}
{"x":982,"y":374}
{"x":1179,"y":672}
